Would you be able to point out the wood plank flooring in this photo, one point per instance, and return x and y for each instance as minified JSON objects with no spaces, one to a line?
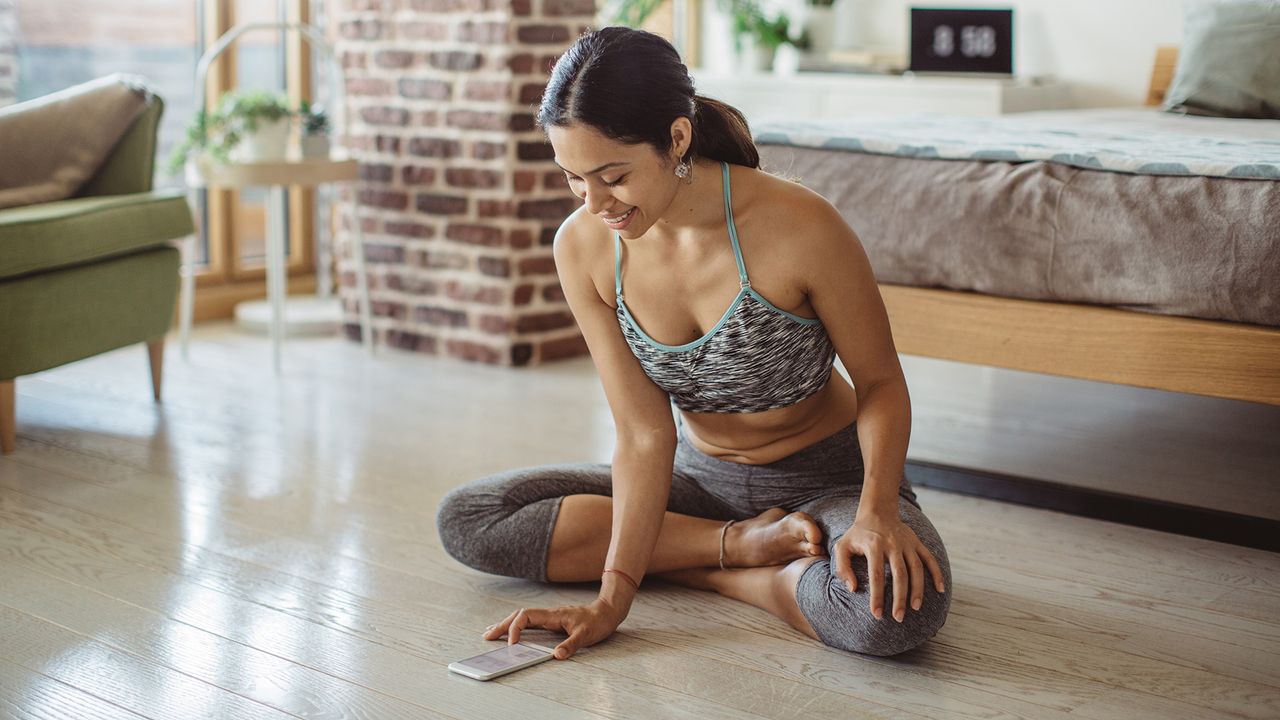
{"x":264,"y":547}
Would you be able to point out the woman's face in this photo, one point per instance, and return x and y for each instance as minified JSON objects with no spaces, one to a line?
{"x":627,"y":187}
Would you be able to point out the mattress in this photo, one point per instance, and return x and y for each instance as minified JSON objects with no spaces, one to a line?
{"x":1128,"y":208}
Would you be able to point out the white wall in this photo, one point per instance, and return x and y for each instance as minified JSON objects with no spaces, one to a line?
{"x":1102,"y":48}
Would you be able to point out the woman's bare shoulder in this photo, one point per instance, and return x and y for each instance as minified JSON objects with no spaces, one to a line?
{"x":584,"y":246}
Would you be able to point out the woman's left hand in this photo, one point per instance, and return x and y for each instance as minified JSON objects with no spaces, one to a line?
{"x":881,"y":539}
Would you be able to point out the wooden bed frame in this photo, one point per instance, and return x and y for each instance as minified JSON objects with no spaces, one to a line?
{"x":1204,"y":357}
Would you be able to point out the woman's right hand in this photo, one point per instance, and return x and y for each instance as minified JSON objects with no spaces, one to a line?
{"x":585,"y":624}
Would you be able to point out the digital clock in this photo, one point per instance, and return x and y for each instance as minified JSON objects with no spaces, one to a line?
{"x":962,"y":41}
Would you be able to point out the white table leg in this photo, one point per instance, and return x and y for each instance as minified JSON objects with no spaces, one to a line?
{"x":362,"y":279}
{"x":275,"y":269}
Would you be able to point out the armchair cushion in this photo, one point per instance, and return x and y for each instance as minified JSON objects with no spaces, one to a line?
{"x":43,"y":237}
{"x":54,"y":144}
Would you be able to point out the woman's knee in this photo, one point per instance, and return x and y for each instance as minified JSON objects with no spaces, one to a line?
{"x":843,"y":619}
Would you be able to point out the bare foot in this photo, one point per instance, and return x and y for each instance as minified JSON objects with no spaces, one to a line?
{"x":773,"y":537}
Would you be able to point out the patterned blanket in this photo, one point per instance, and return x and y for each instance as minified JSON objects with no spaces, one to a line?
{"x":1144,"y":142}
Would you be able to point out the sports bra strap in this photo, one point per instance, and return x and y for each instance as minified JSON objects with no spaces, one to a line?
{"x":617,"y":265}
{"x":743,"y":281}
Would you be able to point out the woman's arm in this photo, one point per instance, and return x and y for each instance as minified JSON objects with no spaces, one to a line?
{"x":842,"y":288}
{"x":646,"y":436}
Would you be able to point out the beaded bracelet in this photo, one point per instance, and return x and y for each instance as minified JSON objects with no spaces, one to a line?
{"x":634,"y":584}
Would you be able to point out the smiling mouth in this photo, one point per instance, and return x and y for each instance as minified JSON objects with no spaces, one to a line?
{"x":620,"y":218}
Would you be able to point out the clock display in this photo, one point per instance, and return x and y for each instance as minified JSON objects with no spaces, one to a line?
{"x":972,"y":41}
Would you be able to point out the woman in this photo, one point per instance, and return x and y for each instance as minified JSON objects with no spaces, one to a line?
{"x":778,"y":484}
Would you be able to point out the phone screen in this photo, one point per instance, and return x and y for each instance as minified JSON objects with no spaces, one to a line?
{"x":503,"y":658}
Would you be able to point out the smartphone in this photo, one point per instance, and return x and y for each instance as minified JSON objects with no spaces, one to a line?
{"x":506,"y":659}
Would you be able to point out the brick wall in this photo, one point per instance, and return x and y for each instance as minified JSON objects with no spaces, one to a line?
{"x":8,"y":53}
{"x":459,"y":199}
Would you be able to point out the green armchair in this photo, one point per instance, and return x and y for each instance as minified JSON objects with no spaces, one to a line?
{"x":93,"y":272}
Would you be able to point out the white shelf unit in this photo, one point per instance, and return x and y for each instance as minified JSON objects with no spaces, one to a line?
{"x":823,"y":96}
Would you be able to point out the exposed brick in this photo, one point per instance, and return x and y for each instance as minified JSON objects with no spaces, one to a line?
{"x":531,"y":93}
{"x":521,"y":354}
{"x":354,"y":60}
{"x":488,"y":33}
{"x":417,"y":175}
{"x":370,"y":87}
{"x":407,"y":340}
{"x":383,"y":115}
{"x":520,"y":63}
{"x":555,"y":180}
{"x":537,"y":266}
{"x":455,"y":60}
{"x":522,"y":8}
{"x":474,"y":234}
{"x":361,"y":29}
{"x":424,"y":89}
{"x":432,"y":315}
{"x":387,"y":144}
{"x":535,"y":151}
{"x":413,"y":284}
{"x":435,"y":147}
{"x":395,"y":59}
{"x":542,"y":34}
{"x":382,"y":308}
{"x":560,"y":8}
{"x":522,"y":122}
{"x":388,"y":199}
{"x":553,"y":293}
{"x":376,"y":172}
{"x":417,"y":231}
{"x":472,"y":178}
{"x":540,"y":322}
{"x":376,"y":253}
{"x":520,"y":239}
{"x":523,"y":180}
{"x":475,"y":120}
{"x":546,"y":63}
{"x":488,"y":150}
{"x":472,"y":351}
{"x":426,"y":119}
{"x":496,"y":324}
{"x":440,"y":204}
{"x":496,"y":267}
{"x":487,"y":90}
{"x":494,"y":208}
{"x":558,"y":209}
{"x":523,"y":294}
{"x":418,"y":30}
{"x":470,"y":292}
{"x":562,"y":348}
{"x":440,"y":259}
{"x":547,"y":237}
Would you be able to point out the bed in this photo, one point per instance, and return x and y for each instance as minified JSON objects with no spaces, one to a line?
{"x":1126,"y":246}
{"x":1043,"y":242}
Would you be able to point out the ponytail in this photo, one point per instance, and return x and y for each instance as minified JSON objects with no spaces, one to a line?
{"x":720,"y":132}
{"x":631,"y":85}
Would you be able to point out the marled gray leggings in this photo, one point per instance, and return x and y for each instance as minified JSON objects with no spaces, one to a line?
{"x":502,"y":524}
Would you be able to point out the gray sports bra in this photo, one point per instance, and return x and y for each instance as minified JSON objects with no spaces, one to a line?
{"x":758,"y":357}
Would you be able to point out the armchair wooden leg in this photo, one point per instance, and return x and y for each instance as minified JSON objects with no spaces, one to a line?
{"x":155,"y":349}
{"x":8,"y":429}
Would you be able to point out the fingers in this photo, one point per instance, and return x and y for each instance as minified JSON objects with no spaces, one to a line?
{"x":917,"y":580}
{"x":934,"y":568}
{"x":898,"y":566}
{"x":567,"y":648}
{"x":843,"y":566}
{"x":875,"y":576}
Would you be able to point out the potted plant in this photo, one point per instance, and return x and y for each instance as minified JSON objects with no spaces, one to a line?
{"x":763,"y":32}
{"x":820,"y":26}
{"x":245,"y":126}
{"x":315,"y":130}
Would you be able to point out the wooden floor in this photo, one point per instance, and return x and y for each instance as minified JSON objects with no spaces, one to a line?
{"x":263,"y":548}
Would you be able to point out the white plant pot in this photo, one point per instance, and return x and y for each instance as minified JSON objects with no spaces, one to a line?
{"x":315,"y":146}
{"x":786,"y":60}
{"x":269,"y":142}
{"x":755,"y":58}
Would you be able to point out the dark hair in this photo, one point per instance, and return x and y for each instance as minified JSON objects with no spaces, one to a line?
{"x":630,"y":85}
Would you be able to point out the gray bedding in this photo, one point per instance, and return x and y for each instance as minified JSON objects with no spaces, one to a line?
{"x":1204,"y":247}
